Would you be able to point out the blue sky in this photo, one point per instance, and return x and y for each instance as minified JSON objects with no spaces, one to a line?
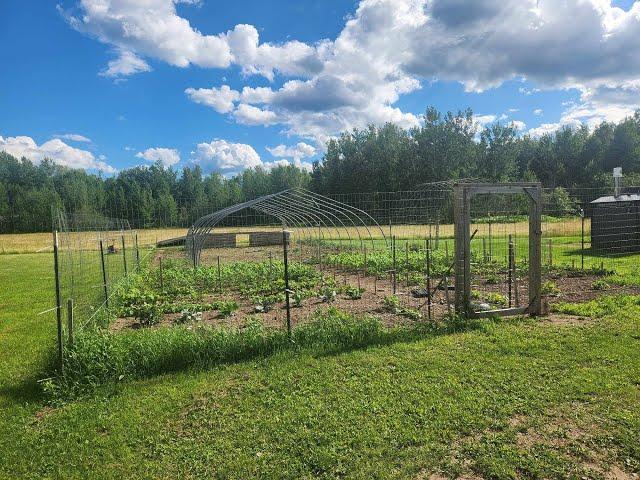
{"x":109,"y":84}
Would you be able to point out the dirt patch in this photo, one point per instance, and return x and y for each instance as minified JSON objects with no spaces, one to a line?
{"x":495,"y":294}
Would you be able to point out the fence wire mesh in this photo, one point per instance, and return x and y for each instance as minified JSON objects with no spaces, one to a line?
{"x":403,"y":273}
{"x":94,"y":254}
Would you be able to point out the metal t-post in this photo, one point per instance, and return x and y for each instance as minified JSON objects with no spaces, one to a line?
{"x":285,"y":248}
{"x":105,"y":286}
{"x":56,"y":269}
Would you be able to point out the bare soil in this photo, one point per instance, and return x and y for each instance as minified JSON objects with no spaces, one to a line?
{"x":571,"y":289}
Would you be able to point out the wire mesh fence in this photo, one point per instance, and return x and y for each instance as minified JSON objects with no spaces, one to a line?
{"x":92,"y":256}
{"x":402,"y":273}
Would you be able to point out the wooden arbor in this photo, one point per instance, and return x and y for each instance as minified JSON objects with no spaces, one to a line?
{"x":463,"y":193}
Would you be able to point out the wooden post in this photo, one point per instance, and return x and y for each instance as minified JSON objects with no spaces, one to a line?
{"x":511,"y":266}
{"x":56,"y":270}
{"x":70,"y":320}
{"x":285,"y":245}
{"x":124,"y":254}
{"x":105,"y":285}
{"x":535,"y":251}
{"x":462,"y":250}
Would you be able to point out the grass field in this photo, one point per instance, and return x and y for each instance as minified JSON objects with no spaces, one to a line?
{"x":42,"y":242}
{"x":496,"y":399}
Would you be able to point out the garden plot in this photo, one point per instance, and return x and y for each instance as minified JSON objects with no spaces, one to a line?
{"x":248,"y":286}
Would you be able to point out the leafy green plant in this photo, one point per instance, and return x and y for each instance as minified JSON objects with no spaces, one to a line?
{"x":354,"y":293}
{"x":225,"y":307}
{"x":492,"y":279}
{"x":328,"y":294}
{"x":550,"y":288}
{"x":147,"y":314}
{"x":298,"y":299}
{"x":495,"y":298}
{"x":188,"y":316}
{"x":600,"y":285}
{"x":391,"y":303}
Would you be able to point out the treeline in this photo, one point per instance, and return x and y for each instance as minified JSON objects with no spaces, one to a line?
{"x":151,"y":196}
{"x":387,"y":158}
{"x":450,"y":146}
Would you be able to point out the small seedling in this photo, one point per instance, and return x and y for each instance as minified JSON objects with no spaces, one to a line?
{"x":298,"y":298}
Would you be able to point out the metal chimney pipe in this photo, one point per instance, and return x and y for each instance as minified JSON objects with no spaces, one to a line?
{"x":617,"y":175}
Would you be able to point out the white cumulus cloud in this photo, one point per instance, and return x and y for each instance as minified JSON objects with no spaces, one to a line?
{"x":73,"y":137}
{"x":228,"y":157}
{"x":220,"y":99}
{"x":297,"y":152}
{"x":167,"y":156}
{"x":385,"y":50}
{"x":56,"y":150}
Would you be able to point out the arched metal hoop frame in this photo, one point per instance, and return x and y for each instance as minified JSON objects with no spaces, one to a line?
{"x":312,"y":217}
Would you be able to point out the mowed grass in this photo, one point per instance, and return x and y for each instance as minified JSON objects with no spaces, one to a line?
{"x":503,"y":399}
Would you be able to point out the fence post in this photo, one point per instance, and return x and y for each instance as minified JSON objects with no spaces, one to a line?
{"x":393,"y":253}
{"x":105,"y":287}
{"x":285,"y":245}
{"x":56,"y":269}
{"x":582,"y":239}
{"x":137,"y":252}
{"x":428,"y":260}
{"x":550,"y":253}
{"x":70,"y":319}
{"x":124,"y":255}
{"x":511,"y":264}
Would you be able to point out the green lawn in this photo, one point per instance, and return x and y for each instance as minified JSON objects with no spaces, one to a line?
{"x":506,"y":399}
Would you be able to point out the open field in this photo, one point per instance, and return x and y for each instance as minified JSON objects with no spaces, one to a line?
{"x":556,"y":398}
{"x":41,"y":242}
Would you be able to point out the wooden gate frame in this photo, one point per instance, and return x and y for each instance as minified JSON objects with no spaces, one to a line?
{"x":463,"y":193}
